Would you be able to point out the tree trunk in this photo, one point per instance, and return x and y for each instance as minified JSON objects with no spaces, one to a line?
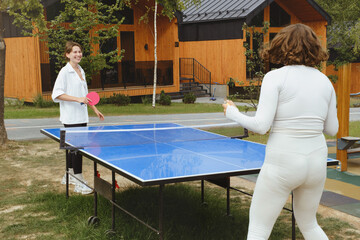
{"x":3,"y":135}
{"x":155,"y":55}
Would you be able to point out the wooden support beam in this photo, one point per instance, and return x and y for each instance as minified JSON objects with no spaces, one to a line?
{"x":343,"y":105}
{"x":267,"y":19}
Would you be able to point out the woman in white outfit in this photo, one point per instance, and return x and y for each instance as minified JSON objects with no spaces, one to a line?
{"x":70,"y":90}
{"x":298,"y":103}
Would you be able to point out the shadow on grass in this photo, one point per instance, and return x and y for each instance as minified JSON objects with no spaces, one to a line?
{"x":51,"y":216}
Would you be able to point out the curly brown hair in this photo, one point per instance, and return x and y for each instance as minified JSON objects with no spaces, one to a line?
{"x":295,"y":44}
{"x":69,"y":46}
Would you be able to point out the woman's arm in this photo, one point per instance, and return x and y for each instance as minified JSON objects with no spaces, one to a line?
{"x":65,"y":97}
{"x":265,"y":113}
{"x":97,"y":112}
{"x":331,"y":124}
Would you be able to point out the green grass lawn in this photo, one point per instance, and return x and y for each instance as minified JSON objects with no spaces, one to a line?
{"x":34,"y":205}
{"x":28,"y":111}
{"x":20,"y":110}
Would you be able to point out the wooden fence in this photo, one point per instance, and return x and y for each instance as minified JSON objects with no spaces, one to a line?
{"x":22,"y":68}
{"x":354,"y":77}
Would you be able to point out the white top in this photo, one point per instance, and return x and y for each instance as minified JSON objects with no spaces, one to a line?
{"x":296,"y":100}
{"x":68,"y":82}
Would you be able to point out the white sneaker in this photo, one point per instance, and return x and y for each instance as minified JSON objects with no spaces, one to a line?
{"x":71,"y":178}
{"x":82,"y":188}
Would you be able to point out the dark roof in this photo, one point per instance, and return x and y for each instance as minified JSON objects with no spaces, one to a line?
{"x":211,"y":10}
{"x":216,"y":10}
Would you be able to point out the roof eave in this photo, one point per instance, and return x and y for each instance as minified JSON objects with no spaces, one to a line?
{"x":320,"y":10}
{"x":213,"y":20}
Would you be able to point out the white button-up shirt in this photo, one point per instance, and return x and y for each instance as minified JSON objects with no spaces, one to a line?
{"x":68,"y":82}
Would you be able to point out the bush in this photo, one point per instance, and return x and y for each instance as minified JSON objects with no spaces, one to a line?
{"x":40,"y":102}
{"x":164,"y":99}
{"x":103,"y":101}
{"x":119,"y":99}
{"x":189,"y":98}
{"x":146,"y":100}
{"x":14,"y":102}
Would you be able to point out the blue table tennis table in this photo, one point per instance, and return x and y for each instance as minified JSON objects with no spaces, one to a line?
{"x":159,"y":154}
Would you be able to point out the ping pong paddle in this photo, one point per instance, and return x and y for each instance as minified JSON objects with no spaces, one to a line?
{"x":94,"y":98}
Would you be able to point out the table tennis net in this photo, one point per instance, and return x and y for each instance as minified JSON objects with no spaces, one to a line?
{"x":84,"y":138}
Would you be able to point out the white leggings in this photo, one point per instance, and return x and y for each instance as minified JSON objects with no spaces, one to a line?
{"x":292,"y":163}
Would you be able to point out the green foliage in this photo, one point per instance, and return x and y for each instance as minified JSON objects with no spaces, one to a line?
{"x":28,"y":13}
{"x":40,"y":102}
{"x":85,"y":26}
{"x":355,"y":36}
{"x":254,"y":63}
{"x":333,"y":78}
{"x":231,"y":82}
{"x":14,"y":103}
{"x":164,"y":99}
{"x":146,"y":100}
{"x":189,"y":98}
{"x":103,"y":101}
{"x":119,"y":99}
{"x":343,"y":35}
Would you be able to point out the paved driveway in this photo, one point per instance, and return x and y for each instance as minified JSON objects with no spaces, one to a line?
{"x":26,"y":129}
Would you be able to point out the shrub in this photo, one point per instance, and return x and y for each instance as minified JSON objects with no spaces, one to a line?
{"x":189,"y":98}
{"x":164,"y":99}
{"x":40,"y":102}
{"x":103,"y":101}
{"x":14,"y":102}
{"x":119,"y":99}
{"x":146,"y":100}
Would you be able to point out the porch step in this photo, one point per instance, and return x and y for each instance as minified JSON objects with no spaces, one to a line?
{"x":189,"y":79}
{"x":193,"y":87}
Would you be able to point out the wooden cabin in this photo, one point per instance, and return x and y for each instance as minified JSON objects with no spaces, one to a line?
{"x":203,"y":44}
{"x":30,"y":71}
{"x":213,"y":35}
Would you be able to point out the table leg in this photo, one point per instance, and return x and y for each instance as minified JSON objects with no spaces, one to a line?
{"x":67,"y":174}
{"x":228,"y":201}
{"x":161,"y":209}
{"x":95,"y":193}
{"x":292,"y":217}
{"x":202,"y":192}
{"x":113,"y":199}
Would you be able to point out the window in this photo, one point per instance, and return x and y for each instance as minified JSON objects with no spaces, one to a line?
{"x":271,"y":66}
{"x":278,"y":16}
{"x":126,"y":12}
{"x":258,"y":20}
{"x":55,"y":9}
{"x":109,"y":76}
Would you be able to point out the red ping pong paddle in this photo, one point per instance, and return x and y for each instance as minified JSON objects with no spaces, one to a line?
{"x":94,"y":98}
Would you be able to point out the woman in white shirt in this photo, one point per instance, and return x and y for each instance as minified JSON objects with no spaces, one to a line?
{"x":70,"y":92}
{"x":298,"y":103}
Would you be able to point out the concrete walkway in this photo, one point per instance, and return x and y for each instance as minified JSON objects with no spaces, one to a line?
{"x":26,"y":129}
